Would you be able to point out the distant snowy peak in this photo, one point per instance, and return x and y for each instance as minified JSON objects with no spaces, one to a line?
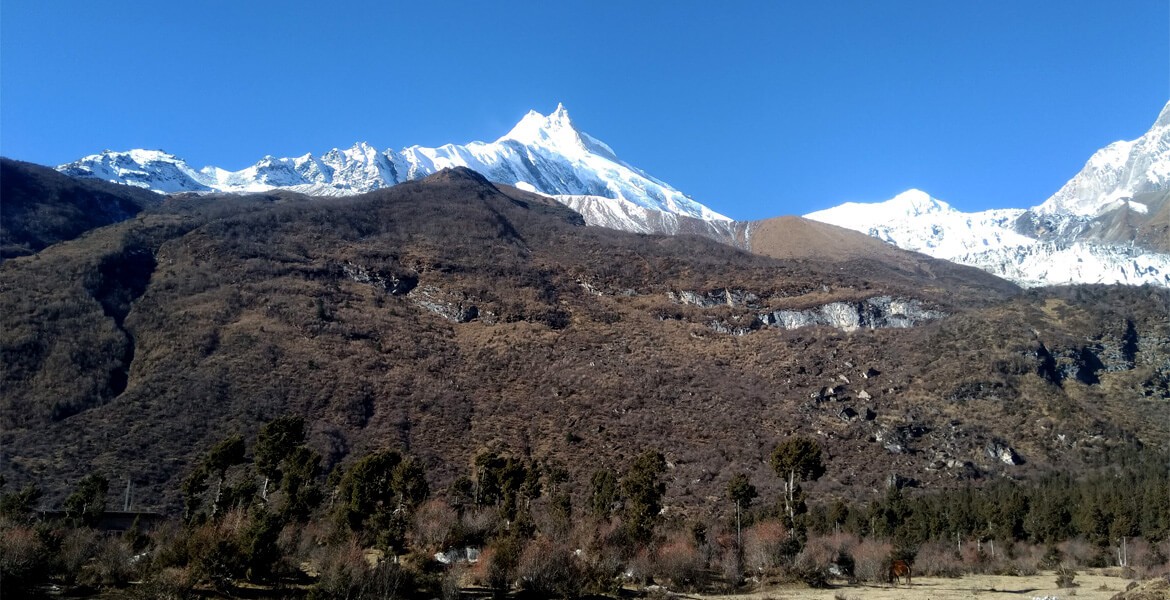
{"x":995,"y":241}
{"x":546,"y":153}
{"x":1115,"y":173}
{"x":914,"y":220}
{"x":1101,"y":227}
{"x":151,"y":169}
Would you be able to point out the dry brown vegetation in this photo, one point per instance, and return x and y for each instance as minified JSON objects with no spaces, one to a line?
{"x":477,"y":329}
{"x":133,"y":348}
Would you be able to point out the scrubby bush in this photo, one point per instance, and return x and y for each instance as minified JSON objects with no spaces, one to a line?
{"x":76,"y":547}
{"x":872,"y":560}
{"x":811,"y":565}
{"x":938,"y":559}
{"x":434,"y":522}
{"x":346,"y":572}
{"x":1079,"y":553}
{"x":677,"y":562}
{"x":1065,"y":576}
{"x":496,"y":568}
{"x":601,"y":557}
{"x":550,"y":570}
{"x":165,"y":584}
{"x":113,"y":564}
{"x":1149,"y":558}
{"x":24,"y":559}
{"x":764,"y":545}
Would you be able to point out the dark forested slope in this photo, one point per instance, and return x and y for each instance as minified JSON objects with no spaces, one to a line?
{"x":40,"y":207}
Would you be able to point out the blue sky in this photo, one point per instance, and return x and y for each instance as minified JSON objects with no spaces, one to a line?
{"x":756,"y":109}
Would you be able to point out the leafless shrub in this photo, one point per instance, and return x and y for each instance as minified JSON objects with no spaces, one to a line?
{"x":729,"y":566}
{"x":345,"y":572}
{"x":432,"y":525}
{"x":23,"y":557}
{"x":938,"y":559}
{"x":165,"y":584}
{"x":112,"y":565}
{"x":871,"y":559}
{"x":550,"y":570}
{"x":1148,"y":559}
{"x":763,"y":546}
{"x":1078,"y":553}
{"x":78,"y":546}
{"x":678,"y":562}
{"x":811,"y":565}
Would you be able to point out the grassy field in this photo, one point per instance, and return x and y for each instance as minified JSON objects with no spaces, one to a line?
{"x":1091,"y":586}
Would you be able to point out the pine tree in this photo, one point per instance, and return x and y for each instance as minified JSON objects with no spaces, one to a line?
{"x":795,"y":460}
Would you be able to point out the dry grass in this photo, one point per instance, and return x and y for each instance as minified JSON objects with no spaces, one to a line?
{"x":1094,"y":586}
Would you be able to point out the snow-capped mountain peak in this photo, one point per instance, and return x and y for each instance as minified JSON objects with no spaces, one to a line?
{"x":1115,"y":173}
{"x":1073,"y":237}
{"x":915,"y":202}
{"x":545,"y":153}
{"x":915,"y":220}
{"x":908,"y":204}
{"x":536,"y":128}
{"x":556,"y":132}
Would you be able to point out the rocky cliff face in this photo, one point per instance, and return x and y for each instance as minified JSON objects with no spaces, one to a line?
{"x":872,"y":313}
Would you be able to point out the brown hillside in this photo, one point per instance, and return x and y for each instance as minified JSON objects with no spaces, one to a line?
{"x":449,"y":316}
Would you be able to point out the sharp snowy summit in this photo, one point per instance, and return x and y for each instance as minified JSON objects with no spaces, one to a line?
{"x":542,"y":153}
{"x":1109,"y":224}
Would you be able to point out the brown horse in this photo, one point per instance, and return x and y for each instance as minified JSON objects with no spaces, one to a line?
{"x":898,"y":569}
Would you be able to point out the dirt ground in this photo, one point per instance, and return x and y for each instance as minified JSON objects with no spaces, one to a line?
{"x":1091,"y":586}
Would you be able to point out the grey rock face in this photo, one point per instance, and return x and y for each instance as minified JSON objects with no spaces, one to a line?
{"x":392,"y":283}
{"x":453,"y":308}
{"x":871,"y":313}
{"x":1003,"y":453}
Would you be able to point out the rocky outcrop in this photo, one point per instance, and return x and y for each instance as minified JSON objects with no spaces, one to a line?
{"x":389,"y":282}
{"x":723,"y":297}
{"x":1000,"y":451}
{"x":453,"y":307}
{"x":871,"y":313}
{"x":876,"y":312}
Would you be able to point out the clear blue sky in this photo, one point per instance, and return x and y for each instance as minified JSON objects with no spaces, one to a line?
{"x":754,"y":108}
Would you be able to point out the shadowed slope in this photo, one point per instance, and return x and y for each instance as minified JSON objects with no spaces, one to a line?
{"x":42,"y":207}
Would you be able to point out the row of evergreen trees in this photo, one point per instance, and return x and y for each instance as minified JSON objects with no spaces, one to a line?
{"x":376,"y":500}
{"x":1103,"y":507}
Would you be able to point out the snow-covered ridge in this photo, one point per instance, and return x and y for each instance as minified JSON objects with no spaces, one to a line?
{"x":1044,"y":245}
{"x":1117,"y":172}
{"x":543,"y":153}
{"x":913,"y":220}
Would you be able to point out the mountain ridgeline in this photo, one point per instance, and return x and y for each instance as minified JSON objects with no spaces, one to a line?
{"x":1108,"y":224}
{"x":450,"y":316}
